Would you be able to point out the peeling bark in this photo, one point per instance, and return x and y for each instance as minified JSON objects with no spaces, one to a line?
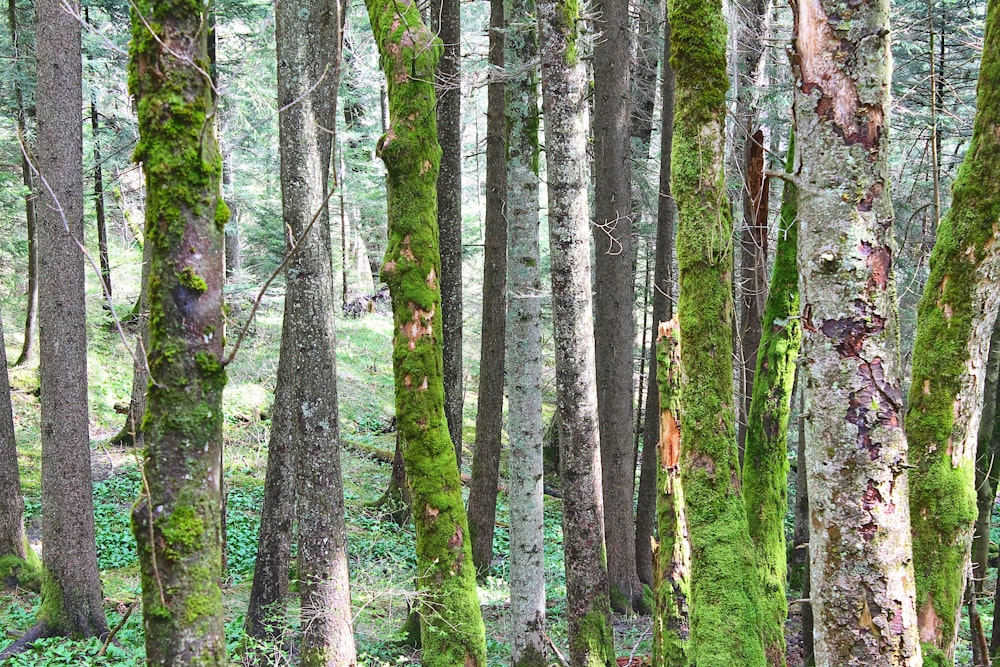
{"x":856,"y":450}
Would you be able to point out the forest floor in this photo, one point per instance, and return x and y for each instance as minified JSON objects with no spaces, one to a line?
{"x":382,"y":558}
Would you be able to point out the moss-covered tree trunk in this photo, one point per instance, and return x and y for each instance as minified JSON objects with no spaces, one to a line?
{"x":564,"y":104}
{"x":489,"y":413}
{"x":855,"y":448}
{"x":451,"y":628}
{"x":662,"y":311}
{"x":725,"y":586}
{"x":19,"y":565}
{"x":954,"y":321}
{"x":673,"y":551}
{"x":176,"y":521}
{"x":614,"y":288}
{"x":524,"y":339}
{"x":765,"y":459}
{"x":71,"y":593}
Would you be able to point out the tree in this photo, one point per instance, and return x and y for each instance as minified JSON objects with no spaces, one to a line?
{"x":446,"y":22}
{"x":524,"y":339}
{"x":673,"y":552}
{"x":614,"y":302}
{"x":855,"y":448}
{"x":565,"y":111}
{"x":176,"y":521}
{"x":308,"y":52}
{"x":725,"y":588}
{"x":765,"y":459}
{"x":28,"y":178}
{"x":954,"y":322}
{"x":19,"y":565}
{"x":489,"y":415}
{"x":662,"y":312}
{"x":71,"y":587}
{"x":451,"y":626}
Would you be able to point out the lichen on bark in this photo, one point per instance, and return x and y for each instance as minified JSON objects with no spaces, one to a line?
{"x":177,"y":521}
{"x":955,"y":319}
{"x":452,"y":631}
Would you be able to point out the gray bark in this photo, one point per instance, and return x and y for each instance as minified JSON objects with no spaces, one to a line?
{"x":308,"y":51}
{"x":564,"y":90}
{"x":614,"y":288}
{"x":855,"y":448}
{"x":524,"y":340}
{"x":72,"y":604}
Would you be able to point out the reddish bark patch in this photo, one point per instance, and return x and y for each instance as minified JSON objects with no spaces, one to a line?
{"x":876,"y":403}
{"x":879,"y":262}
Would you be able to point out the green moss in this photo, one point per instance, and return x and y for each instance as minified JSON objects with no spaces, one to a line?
{"x":188,"y":278}
{"x":570,"y":12}
{"x":183,"y":528}
{"x":594,"y":639}
{"x":21,"y":572}
{"x":222,"y":214}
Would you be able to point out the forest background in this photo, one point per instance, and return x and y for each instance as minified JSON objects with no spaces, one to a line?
{"x":932,"y":121}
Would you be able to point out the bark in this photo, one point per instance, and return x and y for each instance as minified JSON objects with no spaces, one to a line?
{"x":986,"y":474}
{"x":452,"y":630}
{"x":308,"y":52}
{"x":564,"y":104}
{"x":28,"y":178}
{"x":177,"y":521}
{"x":954,"y":320}
{"x":751,"y":31}
{"x":673,"y":552}
{"x":71,"y":588}
{"x":524,"y":340}
{"x":489,"y":415}
{"x":855,"y":447}
{"x":662,"y":311}
{"x":614,"y":287}
{"x":102,"y":226}
{"x":446,"y":22}
{"x":765,"y":461}
{"x":19,"y":566}
{"x":802,"y":530}
{"x":725,"y":587}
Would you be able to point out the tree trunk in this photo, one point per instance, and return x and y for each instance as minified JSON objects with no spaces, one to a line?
{"x":308,"y":51}
{"x":130,"y":434}
{"x":614,"y":288}
{"x":176,"y":521}
{"x":71,"y":593}
{"x":102,"y":225}
{"x":752,"y":30}
{"x":19,"y":566}
{"x":954,"y":321}
{"x":802,"y":529}
{"x":489,"y":415}
{"x":765,"y":461}
{"x":446,"y":23}
{"x":673,"y":552}
{"x":663,"y":308}
{"x":986,"y":473}
{"x":855,"y":447}
{"x":28,"y":178}
{"x":524,"y":340}
{"x":452,"y":629}
{"x":564,"y":90}
{"x":724,"y":579}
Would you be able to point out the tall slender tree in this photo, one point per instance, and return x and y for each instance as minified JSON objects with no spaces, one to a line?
{"x":662,"y":311}
{"x":564,"y":104}
{"x":451,"y":626}
{"x":614,"y":289}
{"x":176,"y":521}
{"x":446,"y":22}
{"x":724,"y":580}
{"x":489,"y":415}
{"x":524,"y":339}
{"x":28,"y":178}
{"x":765,"y":460}
{"x":954,"y":321}
{"x":855,"y":448}
{"x":19,"y":565}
